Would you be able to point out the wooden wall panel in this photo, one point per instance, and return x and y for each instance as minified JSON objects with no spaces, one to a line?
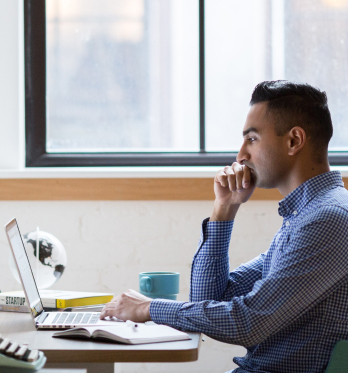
{"x":132,"y":189}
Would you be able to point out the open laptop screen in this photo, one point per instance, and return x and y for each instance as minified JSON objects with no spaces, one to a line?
{"x":24,"y":268}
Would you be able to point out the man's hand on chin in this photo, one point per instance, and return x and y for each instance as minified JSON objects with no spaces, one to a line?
{"x":233,"y":186}
{"x":130,"y":305}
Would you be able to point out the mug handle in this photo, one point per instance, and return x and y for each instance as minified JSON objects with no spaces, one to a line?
{"x":146,"y":284}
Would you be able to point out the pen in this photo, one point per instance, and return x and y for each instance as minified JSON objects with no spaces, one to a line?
{"x":132,"y":324}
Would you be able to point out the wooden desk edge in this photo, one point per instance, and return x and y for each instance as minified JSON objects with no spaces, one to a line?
{"x":124,"y":356}
{"x":121,"y":356}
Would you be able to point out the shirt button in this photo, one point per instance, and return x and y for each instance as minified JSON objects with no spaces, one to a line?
{"x":295,"y":212}
{"x":287,"y":223}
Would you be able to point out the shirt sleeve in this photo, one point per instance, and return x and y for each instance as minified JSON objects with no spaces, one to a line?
{"x":312,"y":265}
{"x":210,"y":277}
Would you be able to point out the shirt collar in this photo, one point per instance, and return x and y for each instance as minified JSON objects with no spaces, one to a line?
{"x":294,"y":202}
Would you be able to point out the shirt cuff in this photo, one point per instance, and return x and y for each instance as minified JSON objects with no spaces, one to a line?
{"x":163,"y":311}
{"x":215,"y":237}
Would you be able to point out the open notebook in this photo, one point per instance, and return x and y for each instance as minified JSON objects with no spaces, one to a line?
{"x":128,"y":332}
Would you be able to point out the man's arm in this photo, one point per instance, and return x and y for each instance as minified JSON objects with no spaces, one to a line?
{"x":312,"y":267}
{"x":210,"y":277}
{"x":232,"y":186}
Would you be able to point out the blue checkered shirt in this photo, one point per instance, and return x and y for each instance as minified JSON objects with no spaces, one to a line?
{"x":289,"y":306}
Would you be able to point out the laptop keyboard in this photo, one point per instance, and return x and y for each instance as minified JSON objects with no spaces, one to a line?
{"x":55,"y":319}
{"x":69,"y":318}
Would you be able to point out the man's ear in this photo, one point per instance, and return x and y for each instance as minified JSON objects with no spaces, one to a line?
{"x":297,"y":138}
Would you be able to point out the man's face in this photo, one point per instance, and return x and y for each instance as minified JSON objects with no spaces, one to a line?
{"x":263,"y":151}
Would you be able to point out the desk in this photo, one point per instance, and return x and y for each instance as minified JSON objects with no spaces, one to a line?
{"x":95,"y":356}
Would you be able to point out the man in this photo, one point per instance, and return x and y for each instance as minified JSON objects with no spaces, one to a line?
{"x":289,"y":306}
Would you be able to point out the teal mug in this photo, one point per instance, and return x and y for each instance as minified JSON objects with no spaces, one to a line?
{"x":163,"y":285}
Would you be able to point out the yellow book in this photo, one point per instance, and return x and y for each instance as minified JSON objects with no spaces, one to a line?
{"x":57,"y":298}
{"x":83,"y":301}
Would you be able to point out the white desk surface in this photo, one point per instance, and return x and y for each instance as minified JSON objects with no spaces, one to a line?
{"x":19,"y":327}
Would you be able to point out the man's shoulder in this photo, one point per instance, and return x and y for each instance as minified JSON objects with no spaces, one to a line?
{"x":322,"y":222}
{"x":330,"y":206}
{"x":327,"y":200}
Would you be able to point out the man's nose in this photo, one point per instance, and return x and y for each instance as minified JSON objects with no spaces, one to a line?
{"x":242,"y":155}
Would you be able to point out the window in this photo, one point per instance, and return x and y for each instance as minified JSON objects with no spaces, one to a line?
{"x":167,"y":82}
{"x":117,"y":67}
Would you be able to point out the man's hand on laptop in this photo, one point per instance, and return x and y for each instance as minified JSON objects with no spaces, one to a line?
{"x":232,"y":186}
{"x":130,"y":305}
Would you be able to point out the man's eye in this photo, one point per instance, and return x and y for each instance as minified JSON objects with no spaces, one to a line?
{"x":251,"y":139}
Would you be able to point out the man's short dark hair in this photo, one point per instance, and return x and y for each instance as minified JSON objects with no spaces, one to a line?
{"x":296,"y":104}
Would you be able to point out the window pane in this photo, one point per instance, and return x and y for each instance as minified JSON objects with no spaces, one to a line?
{"x":122,"y":75}
{"x":248,"y":42}
{"x":316,"y":52}
{"x":238,"y":52}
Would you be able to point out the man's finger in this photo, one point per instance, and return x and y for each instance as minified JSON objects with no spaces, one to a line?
{"x":108,"y":312}
{"x":108,"y":308}
{"x":238,"y":169}
{"x":221,"y":178}
{"x":246,"y":177}
{"x":231,"y":178}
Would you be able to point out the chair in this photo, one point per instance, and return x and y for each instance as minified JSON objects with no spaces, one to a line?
{"x":339,"y":358}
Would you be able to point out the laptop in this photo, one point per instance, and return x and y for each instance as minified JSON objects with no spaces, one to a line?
{"x":45,"y":319}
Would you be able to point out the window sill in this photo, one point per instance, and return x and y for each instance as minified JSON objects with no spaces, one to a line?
{"x":112,"y":184}
{"x":109,"y":172}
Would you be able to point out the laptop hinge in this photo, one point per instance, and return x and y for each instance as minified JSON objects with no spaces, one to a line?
{"x":42,"y":318}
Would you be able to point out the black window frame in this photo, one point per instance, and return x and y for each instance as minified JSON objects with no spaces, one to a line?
{"x":35,"y":112}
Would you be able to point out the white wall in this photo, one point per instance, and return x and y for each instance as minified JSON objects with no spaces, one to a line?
{"x":109,"y":243}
